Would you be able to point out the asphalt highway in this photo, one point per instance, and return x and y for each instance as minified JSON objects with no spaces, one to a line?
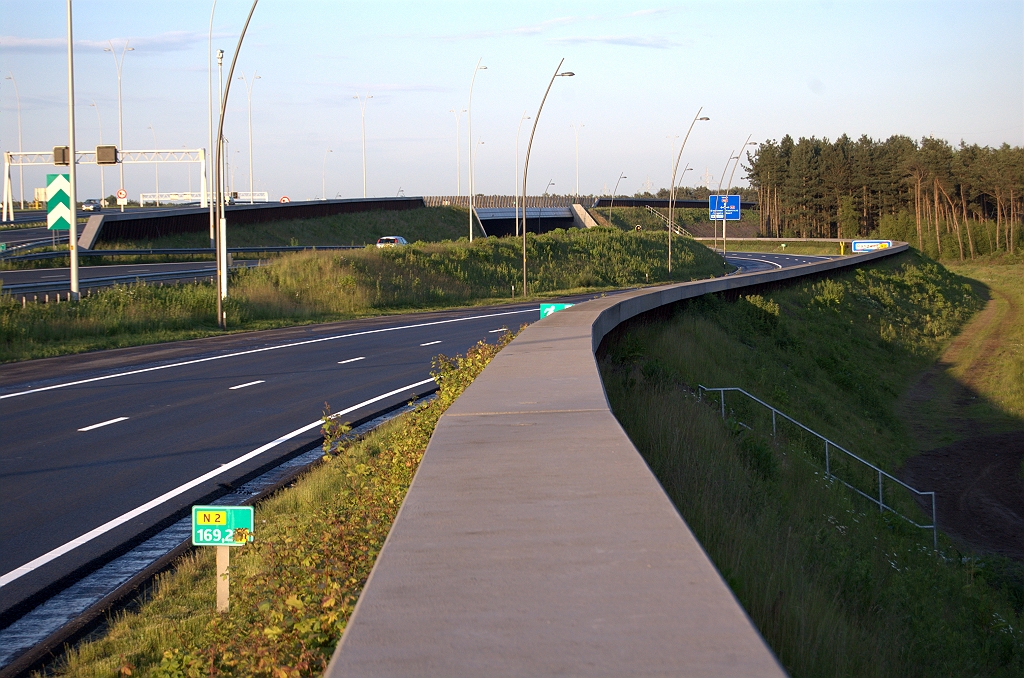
{"x":37,"y":216}
{"x":56,"y":275}
{"x":101,"y":448}
{"x":756,"y":262}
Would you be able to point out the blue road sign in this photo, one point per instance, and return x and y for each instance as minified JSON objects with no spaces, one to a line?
{"x":724,"y":207}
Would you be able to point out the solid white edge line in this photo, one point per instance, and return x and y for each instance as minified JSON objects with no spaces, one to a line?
{"x":351,"y":360}
{"x":763,"y":261}
{"x":251,"y":383}
{"x":261,"y":350}
{"x":103,"y":423}
{"x":134,"y":513}
{"x":431,"y":343}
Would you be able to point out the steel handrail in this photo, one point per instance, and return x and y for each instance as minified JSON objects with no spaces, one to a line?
{"x":880,"y":500}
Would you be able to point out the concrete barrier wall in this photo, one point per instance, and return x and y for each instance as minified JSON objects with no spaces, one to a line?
{"x":535,"y":540}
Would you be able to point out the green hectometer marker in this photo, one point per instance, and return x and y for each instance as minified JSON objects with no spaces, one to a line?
{"x":58,"y":202}
{"x":222,"y":525}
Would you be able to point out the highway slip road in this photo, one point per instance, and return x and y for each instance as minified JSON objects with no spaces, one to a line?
{"x":98,"y":449}
{"x":85,"y":273}
{"x":756,"y":262}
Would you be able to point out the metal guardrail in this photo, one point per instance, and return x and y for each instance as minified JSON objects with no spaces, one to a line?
{"x":60,"y":285}
{"x":678,"y":230}
{"x":879,"y":501}
{"x":172,"y":251}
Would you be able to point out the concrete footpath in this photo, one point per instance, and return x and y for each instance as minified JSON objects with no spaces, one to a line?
{"x":535,"y":540}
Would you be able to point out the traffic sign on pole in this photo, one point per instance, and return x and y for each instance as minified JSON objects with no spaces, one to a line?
{"x":724,"y":207}
{"x":285,"y":198}
{"x":122,"y":196}
{"x":58,"y":202}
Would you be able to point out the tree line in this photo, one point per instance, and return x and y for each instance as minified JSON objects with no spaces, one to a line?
{"x":949,"y":201}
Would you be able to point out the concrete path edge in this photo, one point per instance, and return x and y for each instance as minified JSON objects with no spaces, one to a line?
{"x":534,"y":540}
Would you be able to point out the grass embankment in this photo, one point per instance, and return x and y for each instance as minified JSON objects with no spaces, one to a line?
{"x":835,"y":587}
{"x":690,"y":218}
{"x":427,"y":224}
{"x":294,"y":588}
{"x":324,"y":286}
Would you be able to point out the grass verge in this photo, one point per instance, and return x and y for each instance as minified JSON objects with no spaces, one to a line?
{"x":835,"y":587}
{"x":313,"y":286}
{"x":294,"y":588}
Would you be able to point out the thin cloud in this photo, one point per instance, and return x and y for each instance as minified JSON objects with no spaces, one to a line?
{"x":171,"y":41}
{"x":621,"y":40}
{"x":528,"y":30}
{"x":648,"y":12}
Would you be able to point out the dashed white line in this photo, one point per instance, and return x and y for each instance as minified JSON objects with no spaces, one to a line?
{"x":351,"y":360}
{"x":19,"y":572}
{"x":431,"y":343}
{"x":503,"y":329}
{"x":251,"y":383}
{"x":261,"y":350}
{"x":103,"y":423}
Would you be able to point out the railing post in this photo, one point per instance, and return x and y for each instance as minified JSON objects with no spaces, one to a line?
{"x":881,"y":501}
{"x":828,"y":467}
{"x":935,"y":526}
{"x":773,"y":423}
{"x":722,"y":400}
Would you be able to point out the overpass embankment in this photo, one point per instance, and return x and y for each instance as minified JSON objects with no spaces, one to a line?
{"x":535,"y":540}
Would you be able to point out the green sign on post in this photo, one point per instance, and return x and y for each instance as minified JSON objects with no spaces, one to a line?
{"x":58,"y":202}
{"x":548,"y":309}
{"x":221,"y":525}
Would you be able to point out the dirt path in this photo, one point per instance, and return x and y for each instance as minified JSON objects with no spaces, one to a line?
{"x":971,"y":450}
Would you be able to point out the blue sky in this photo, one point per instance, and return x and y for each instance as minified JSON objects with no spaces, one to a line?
{"x":954,"y":70}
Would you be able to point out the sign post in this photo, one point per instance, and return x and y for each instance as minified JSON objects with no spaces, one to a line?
{"x":122,"y":198}
{"x":223,"y":527}
{"x":724,"y":208}
{"x":58,"y":202}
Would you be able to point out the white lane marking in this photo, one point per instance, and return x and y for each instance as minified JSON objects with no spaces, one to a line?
{"x":431,"y":343}
{"x":103,"y":423}
{"x":503,"y":329}
{"x":261,"y":350}
{"x":251,"y":383}
{"x":351,"y":360}
{"x":136,"y":512}
{"x":763,"y":261}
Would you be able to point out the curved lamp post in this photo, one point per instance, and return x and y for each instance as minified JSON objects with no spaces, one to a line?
{"x":622,"y":175}
{"x":120,"y":129}
{"x":323,"y":176}
{"x":728,"y":187}
{"x":362,"y":106}
{"x":248,"y":93}
{"x":515,"y":179}
{"x":576,"y":130}
{"x":21,"y":168}
{"x":469,"y":119}
{"x":458,"y":149}
{"x":222,"y":259}
{"x":526,"y":162}
{"x":208,"y":166}
{"x":672,"y":188}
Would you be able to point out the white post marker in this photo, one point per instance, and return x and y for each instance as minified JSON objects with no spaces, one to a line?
{"x":223,"y":527}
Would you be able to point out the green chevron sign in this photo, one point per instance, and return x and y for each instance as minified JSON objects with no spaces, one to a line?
{"x":58,"y":202}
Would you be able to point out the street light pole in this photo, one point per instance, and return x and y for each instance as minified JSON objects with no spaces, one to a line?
{"x":323,"y":176}
{"x":516,"y":178}
{"x":103,"y":190}
{"x":672,"y":188}
{"x":222,"y":273}
{"x":362,"y":105}
{"x":526,"y":162}
{"x":622,"y":175}
{"x":210,"y":154}
{"x":576,"y":128}
{"x":72,"y":160}
{"x":21,"y":168}
{"x":120,"y":119}
{"x":469,"y":119}
{"x":458,"y":149}
{"x":248,"y":93}
{"x":156,"y":166}
{"x":731,"y":175}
